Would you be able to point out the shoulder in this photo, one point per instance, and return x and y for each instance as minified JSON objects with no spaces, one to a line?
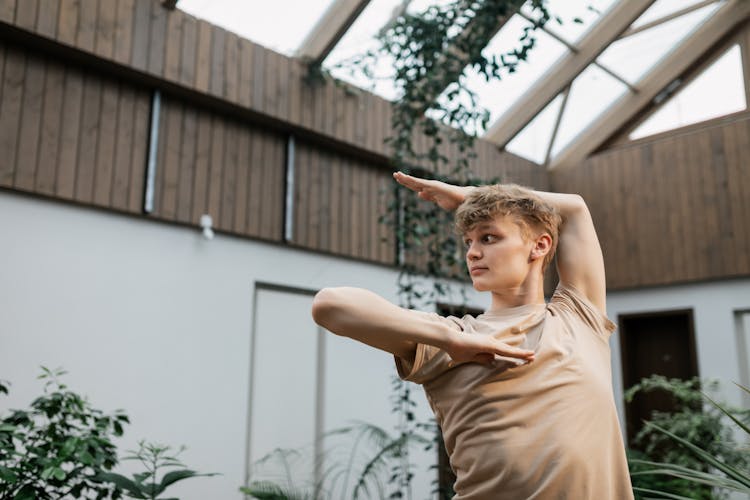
{"x":570,"y":303}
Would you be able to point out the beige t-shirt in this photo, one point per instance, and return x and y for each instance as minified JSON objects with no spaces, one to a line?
{"x":544,"y":430}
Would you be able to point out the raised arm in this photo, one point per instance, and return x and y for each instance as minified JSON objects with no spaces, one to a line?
{"x":579,"y":257}
{"x":364,"y":316}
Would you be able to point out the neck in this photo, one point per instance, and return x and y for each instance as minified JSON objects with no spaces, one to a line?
{"x":531,"y":291}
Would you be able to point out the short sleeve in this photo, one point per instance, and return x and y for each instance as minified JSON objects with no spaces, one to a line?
{"x":429,"y":362}
{"x":568,"y":299}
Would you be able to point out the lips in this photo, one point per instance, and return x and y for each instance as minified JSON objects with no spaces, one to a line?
{"x":476,"y":270}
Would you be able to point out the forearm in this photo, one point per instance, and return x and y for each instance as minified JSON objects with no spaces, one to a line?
{"x":364,"y":316}
{"x":567,"y":205}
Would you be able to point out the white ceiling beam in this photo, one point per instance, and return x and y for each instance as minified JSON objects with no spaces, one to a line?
{"x":669,"y":69}
{"x":574,"y":49}
{"x":330,"y":28}
{"x":565,"y":70}
{"x":668,"y":17}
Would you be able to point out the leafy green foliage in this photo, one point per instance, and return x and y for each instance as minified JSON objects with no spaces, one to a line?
{"x":146,"y":485}
{"x":683,"y":447}
{"x":58,"y":447}
{"x":359,"y":462}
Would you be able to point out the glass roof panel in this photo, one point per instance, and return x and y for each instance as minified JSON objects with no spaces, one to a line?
{"x":360,"y":38}
{"x":266,"y":23}
{"x":662,"y":8}
{"x":633,"y":56}
{"x":532,"y":142}
{"x":697,"y":101}
{"x":592,"y":92}
{"x":498,"y":96}
{"x":588,"y":13}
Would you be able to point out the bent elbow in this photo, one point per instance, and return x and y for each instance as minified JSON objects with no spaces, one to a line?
{"x":323,"y":305}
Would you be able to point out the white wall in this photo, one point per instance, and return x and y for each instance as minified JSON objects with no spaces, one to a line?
{"x":155,"y":319}
{"x":715,"y":308}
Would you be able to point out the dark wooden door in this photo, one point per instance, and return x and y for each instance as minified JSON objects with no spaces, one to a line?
{"x":660,"y":343}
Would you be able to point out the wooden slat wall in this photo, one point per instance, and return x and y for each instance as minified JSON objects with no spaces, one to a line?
{"x":70,"y":133}
{"x":211,"y":164}
{"x":674,"y":209}
{"x":183,"y":50}
{"x":337,"y":202}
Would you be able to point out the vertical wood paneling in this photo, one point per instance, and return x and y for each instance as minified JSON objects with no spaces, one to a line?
{"x":294,"y":95}
{"x":31,"y":119}
{"x":7,"y":10}
{"x":123,"y":149}
{"x":104,"y":43}
{"x":736,"y":162}
{"x":123,"y":31}
{"x":141,"y":35}
{"x":255,"y":184}
{"x":10,"y":113}
{"x":140,"y":150}
{"x":86,"y":33}
{"x":215,"y":169}
{"x":218,"y":40}
{"x":90,"y":119}
{"x":301,"y":193}
{"x":189,"y":51}
{"x":231,"y":67}
{"x":282,"y":88}
{"x":105,"y":150}
{"x":173,"y":45}
{"x":229,"y":176}
{"x":187,"y":162}
{"x":46,"y":19}
{"x":67,"y":22}
{"x":245,"y":72}
{"x":271,"y":63}
{"x":203,"y":52}
{"x":26,"y":12}
{"x":241,"y":184}
{"x":336,"y":203}
{"x":50,"y":130}
{"x":169,"y":166}
{"x":202,"y":161}
{"x":71,"y":133}
{"x":676,"y":205}
{"x":157,"y":38}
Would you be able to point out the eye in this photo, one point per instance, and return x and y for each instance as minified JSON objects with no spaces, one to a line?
{"x":467,"y":243}
{"x":489,"y":238}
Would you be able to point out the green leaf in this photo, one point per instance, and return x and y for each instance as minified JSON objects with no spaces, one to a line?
{"x":133,"y":489}
{"x":25,"y":493}
{"x":8,"y":475}
{"x":178,"y":475}
{"x":663,"y":494}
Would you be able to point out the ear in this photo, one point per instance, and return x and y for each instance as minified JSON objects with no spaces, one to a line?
{"x":542,"y":246}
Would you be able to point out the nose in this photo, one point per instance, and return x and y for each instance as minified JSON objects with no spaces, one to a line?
{"x":472,"y":252}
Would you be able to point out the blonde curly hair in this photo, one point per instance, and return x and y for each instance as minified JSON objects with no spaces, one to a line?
{"x":530,"y":212}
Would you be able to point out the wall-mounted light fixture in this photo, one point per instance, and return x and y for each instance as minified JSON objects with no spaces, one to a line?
{"x":207,"y":226}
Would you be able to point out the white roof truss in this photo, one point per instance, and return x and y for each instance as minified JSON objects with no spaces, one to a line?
{"x":565,"y":70}
{"x":330,"y":28}
{"x":669,"y":70}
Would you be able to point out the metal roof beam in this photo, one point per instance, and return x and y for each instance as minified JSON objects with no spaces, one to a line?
{"x":667,"y":71}
{"x":566,"y":70}
{"x":330,"y":29}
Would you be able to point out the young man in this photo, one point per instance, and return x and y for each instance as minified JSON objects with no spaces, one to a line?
{"x":523,"y":392}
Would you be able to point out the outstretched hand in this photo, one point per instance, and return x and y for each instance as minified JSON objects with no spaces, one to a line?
{"x":485,"y":349}
{"x":446,"y":196}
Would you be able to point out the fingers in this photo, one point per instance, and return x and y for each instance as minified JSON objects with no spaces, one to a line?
{"x":504,"y":349}
{"x":413,"y":183}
